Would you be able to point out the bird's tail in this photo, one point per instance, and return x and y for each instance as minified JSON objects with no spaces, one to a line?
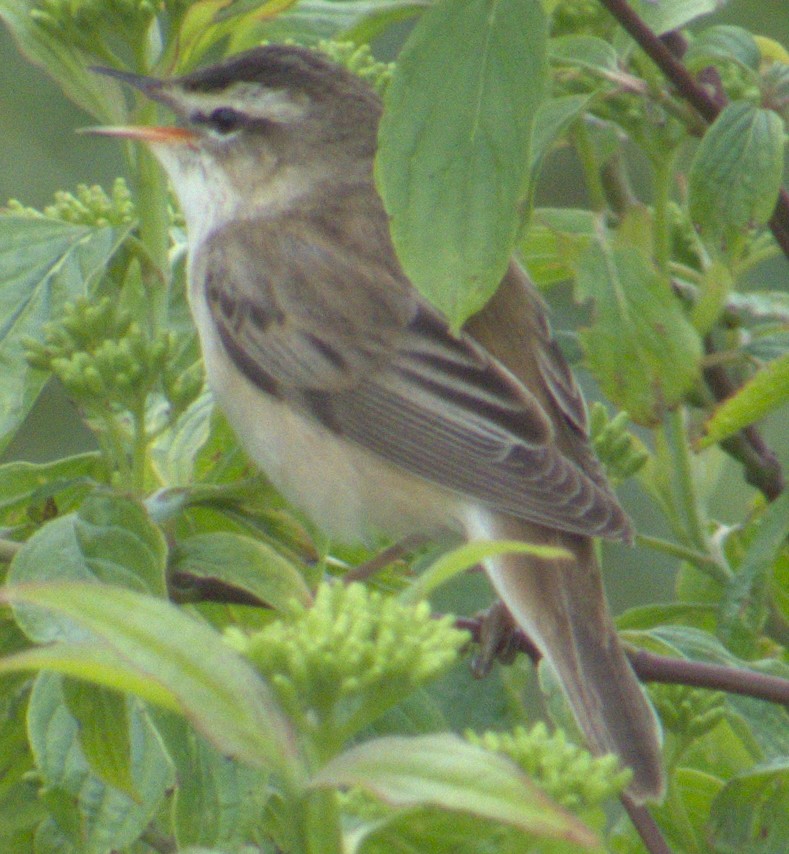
{"x":561,"y":605}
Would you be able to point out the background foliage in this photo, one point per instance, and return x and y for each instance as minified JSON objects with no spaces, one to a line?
{"x":330,"y":719}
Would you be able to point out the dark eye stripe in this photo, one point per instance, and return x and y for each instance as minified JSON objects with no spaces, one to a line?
{"x":222,"y":119}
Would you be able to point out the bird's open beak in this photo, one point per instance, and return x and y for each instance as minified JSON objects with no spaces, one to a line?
{"x":156,"y":135}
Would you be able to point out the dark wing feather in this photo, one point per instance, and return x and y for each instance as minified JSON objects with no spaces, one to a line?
{"x":391,"y":376}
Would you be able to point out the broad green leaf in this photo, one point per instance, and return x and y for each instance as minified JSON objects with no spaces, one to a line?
{"x":464,"y":557}
{"x":96,"y":817}
{"x":110,"y":539}
{"x":428,"y":829}
{"x":44,"y":263}
{"x":445,"y":771}
{"x":723,"y":42}
{"x":357,"y":20}
{"x":683,"y":815}
{"x":554,"y":238}
{"x":672,"y":14}
{"x":744,"y":608}
{"x":102,"y":717}
{"x":244,"y":563}
{"x":641,"y":347}
{"x":698,"y":615}
{"x":217,"y":802}
{"x":453,"y":160}
{"x":120,"y":544}
{"x":736,"y":172}
{"x":750,"y":813}
{"x":765,"y":392}
{"x":769,"y":722}
{"x":142,"y":639}
{"x":24,"y":485}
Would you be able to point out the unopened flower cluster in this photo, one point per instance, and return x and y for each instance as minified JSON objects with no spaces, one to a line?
{"x":340,"y":663}
{"x":568,"y":773}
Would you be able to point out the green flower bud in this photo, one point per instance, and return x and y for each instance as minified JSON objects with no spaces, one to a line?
{"x":354,"y":653}
{"x":568,"y":773}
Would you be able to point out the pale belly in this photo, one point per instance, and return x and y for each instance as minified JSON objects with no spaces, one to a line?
{"x":350,"y":493}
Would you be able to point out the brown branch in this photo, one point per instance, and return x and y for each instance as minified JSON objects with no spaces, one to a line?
{"x":701,"y":674}
{"x":661,"y":668}
{"x":690,"y":91}
{"x":645,"y":825}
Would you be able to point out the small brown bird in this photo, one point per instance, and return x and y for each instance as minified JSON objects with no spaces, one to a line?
{"x":354,"y":395}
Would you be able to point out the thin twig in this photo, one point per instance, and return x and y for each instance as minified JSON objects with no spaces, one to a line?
{"x":662,"y":668}
{"x":645,"y":825}
{"x":701,"y":674}
{"x":694,"y":94}
{"x":385,"y":558}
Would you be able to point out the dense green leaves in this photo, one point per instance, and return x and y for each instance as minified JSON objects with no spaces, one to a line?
{"x":147,"y":727}
{"x":454,"y":146}
{"x":442,"y":770}
{"x":140,"y":639}
{"x":43,"y":264}
{"x":94,"y":817}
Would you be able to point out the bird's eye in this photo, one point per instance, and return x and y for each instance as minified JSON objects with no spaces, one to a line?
{"x":223,"y":120}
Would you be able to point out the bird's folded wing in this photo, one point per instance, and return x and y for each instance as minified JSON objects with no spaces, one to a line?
{"x":353,"y":345}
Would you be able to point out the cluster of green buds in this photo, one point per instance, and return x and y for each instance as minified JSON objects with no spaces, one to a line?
{"x":108,"y":362}
{"x":688,"y":712}
{"x":338,"y":664}
{"x":91,"y":206}
{"x":618,"y":449}
{"x":568,"y":773}
{"x":360,"y":60}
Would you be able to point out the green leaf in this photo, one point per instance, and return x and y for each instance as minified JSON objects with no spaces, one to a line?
{"x":723,"y":42}
{"x":144,"y":640}
{"x":111,"y":539}
{"x":102,"y":718}
{"x":217,"y":802}
{"x":96,"y":817}
{"x":175,"y":451}
{"x":23,"y":484}
{"x":244,"y":563}
{"x":765,"y":392}
{"x":97,"y":94}
{"x":751,"y":814}
{"x":640,"y":346}
{"x":445,"y":771}
{"x":584,"y":51}
{"x":736,"y":172}
{"x":552,"y":119}
{"x":43,"y":264}
{"x":744,"y":608}
{"x":768,"y":722}
{"x":554,"y":239}
{"x":464,"y":557}
{"x":683,"y":815}
{"x":120,"y":544}
{"x":716,"y":284}
{"x":672,"y":14}
{"x":453,"y":160}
